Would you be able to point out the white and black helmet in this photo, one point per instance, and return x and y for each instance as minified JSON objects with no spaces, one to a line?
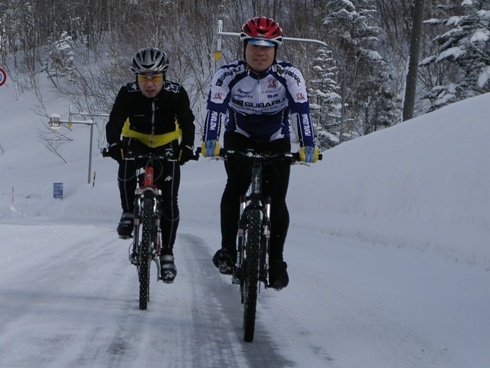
{"x":149,"y":60}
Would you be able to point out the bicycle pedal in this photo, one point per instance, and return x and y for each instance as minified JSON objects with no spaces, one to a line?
{"x":225,"y":269}
{"x":133,"y":259}
{"x":168,"y":277}
{"x":125,"y":237}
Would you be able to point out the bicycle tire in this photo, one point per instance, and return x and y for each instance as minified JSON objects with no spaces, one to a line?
{"x":145,"y":255}
{"x":251,"y":274}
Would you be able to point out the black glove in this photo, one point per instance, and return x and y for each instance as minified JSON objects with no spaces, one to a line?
{"x":185,"y":153}
{"x":116,"y":152}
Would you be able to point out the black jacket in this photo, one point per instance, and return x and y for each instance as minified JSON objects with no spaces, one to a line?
{"x":152,"y":117}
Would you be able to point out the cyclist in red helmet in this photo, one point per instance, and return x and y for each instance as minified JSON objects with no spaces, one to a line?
{"x":258,"y":99}
{"x":262,"y":28}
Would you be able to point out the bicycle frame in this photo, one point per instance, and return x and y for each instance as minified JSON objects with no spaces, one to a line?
{"x":146,"y":243}
{"x":147,"y":237}
{"x":253,"y":236}
{"x":254,"y":201}
{"x":147,"y":189}
{"x":147,"y":231}
{"x":147,"y":195}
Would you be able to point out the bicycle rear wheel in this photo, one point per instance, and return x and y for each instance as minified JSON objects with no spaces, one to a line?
{"x":250,"y":276}
{"x":145,"y":256}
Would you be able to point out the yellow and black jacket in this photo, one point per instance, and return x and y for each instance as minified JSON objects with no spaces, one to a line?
{"x":153,"y":121}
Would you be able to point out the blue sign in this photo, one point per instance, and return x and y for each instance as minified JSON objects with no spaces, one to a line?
{"x":58,"y":190}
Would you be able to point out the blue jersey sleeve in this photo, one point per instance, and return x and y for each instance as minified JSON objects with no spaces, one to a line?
{"x":299,"y":106}
{"x":217,"y":103}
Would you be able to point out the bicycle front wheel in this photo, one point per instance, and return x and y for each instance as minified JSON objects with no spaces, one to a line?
{"x":145,"y":256}
{"x":250,"y":276}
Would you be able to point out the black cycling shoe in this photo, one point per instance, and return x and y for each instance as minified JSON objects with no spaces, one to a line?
{"x":224,"y":262}
{"x":168,"y":271}
{"x":126,"y":224}
{"x":278,"y":276}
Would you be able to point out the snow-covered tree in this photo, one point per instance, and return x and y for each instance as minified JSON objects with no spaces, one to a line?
{"x":61,"y":57}
{"x":467,"y":46}
{"x":325,"y":100}
{"x":352,"y":26}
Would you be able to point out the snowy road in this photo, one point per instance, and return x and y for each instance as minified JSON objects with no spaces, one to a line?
{"x":72,"y":302}
{"x":69,"y":298}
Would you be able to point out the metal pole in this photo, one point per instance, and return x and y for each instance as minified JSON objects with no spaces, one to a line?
{"x":337,"y":55}
{"x":87,"y":122}
{"x":88,"y":114}
{"x":220,"y":30}
{"x":55,"y":122}
{"x":90,"y":151}
{"x":91,"y":123}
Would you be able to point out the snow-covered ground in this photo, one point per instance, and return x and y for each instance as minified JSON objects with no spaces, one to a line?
{"x":388,"y":253}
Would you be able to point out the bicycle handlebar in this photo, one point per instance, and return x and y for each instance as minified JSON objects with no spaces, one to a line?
{"x":168,"y":155}
{"x":292,"y":157}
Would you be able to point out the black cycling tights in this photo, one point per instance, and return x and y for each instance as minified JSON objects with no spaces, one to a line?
{"x":167,"y":179}
{"x":275,"y":184}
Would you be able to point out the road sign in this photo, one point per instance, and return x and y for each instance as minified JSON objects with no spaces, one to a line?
{"x":58,"y":190}
{"x":3,"y":77}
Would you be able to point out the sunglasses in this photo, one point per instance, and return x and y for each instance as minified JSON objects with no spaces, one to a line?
{"x":149,"y":78}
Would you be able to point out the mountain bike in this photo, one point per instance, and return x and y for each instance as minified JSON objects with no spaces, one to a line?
{"x":254,"y":229}
{"x":146,"y":245}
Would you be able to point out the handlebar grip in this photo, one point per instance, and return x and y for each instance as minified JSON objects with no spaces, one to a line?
{"x":296,"y":157}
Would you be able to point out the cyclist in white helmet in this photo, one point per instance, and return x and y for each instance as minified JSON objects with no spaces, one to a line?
{"x":151,"y":114}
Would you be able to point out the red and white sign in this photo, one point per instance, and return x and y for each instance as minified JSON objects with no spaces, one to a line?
{"x":3,"y":77}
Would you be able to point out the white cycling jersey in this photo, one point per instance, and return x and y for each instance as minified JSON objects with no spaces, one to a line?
{"x":259,"y":106}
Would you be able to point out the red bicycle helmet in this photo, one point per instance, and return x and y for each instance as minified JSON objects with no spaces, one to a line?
{"x":262,"y":31}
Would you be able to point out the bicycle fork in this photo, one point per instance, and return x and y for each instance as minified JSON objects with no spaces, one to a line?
{"x":264,"y":244}
{"x":156,"y":243}
{"x":240,"y":243}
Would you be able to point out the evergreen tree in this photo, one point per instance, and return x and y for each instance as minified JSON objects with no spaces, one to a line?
{"x":370,"y":101}
{"x":466,"y":45}
{"x":61,"y":57}
{"x":325,"y":101}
